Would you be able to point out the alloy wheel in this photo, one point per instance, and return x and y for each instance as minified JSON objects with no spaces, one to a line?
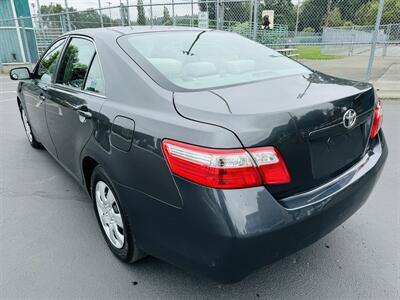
{"x":27,"y":127}
{"x":110,"y":214}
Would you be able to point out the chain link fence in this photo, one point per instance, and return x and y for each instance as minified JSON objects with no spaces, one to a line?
{"x":341,"y":37}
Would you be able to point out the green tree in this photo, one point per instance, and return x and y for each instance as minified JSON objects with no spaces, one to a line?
{"x":366,"y":14}
{"x":242,"y":28}
{"x":333,"y":18}
{"x":141,"y":20}
{"x":312,"y":13}
{"x":348,"y":8}
{"x":166,"y":17}
{"x":348,"y":23}
{"x":237,"y":11}
{"x":51,"y":9}
{"x":87,"y":19}
{"x":309,"y":29}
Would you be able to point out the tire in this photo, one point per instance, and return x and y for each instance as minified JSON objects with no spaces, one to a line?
{"x":28,"y":129}
{"x":118,"y":234}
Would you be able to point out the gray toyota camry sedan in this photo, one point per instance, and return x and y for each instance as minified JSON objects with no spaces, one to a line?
{"x":201,"y":147}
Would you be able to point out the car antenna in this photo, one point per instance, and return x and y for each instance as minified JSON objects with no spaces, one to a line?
{"x":192,"y":45}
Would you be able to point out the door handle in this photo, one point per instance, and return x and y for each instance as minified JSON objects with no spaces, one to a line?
{"x":85,"y":114}
{"x":83,"y":111}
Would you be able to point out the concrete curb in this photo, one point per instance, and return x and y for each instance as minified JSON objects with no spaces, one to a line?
{"x":388,"y":85}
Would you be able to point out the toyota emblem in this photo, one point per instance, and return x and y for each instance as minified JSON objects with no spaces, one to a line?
{"x":349,"y":118}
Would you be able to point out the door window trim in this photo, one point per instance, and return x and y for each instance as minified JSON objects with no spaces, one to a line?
{"x":35,"y":70}
{"x":69,"y":88}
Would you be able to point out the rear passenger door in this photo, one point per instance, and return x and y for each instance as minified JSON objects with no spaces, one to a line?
{"x":74,"y":99}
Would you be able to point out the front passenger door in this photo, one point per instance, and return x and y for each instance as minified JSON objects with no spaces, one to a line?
{"x":36,"y":93}
{"x":72,"y":105}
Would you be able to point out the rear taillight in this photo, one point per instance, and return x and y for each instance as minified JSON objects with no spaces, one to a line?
{"x":271,"y":165}
{"x":225,"y":168}
{"x":377,"y":120}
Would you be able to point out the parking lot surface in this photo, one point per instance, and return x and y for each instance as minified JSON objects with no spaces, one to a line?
{"x":51,"y":246}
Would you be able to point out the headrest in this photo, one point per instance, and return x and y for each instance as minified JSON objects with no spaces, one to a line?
{"x":199,"y":69}
{"x":240,"y":66}
{"x":167,"y":66}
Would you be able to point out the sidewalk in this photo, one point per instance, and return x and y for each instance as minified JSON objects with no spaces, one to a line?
{"x":385,"y":75}
{"x":388,"y":85}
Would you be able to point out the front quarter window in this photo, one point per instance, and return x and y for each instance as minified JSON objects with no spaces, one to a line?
{"x":48,"y":63}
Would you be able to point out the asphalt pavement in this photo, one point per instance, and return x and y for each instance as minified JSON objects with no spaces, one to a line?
{"x":51,"y":246}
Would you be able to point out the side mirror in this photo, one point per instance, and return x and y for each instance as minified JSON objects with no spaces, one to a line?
{"x":21,"y":73}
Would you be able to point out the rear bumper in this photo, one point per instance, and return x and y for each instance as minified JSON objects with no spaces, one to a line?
{"x":227,"y":234}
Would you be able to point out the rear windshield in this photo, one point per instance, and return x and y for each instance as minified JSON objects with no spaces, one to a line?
{"x":208,"y":59}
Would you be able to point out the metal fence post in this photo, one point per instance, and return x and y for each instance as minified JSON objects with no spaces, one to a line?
{"x":251,"y":2}
{"x":151,"y":12}
{"x":389,"y":28}
{"x":64,"y":28}
{"x":297,"y":17}
{"x":17,"y":28}
{"x":68,"y":19}
{"x":127,"y":13}
{"x":374,"y":39}
{"x":255,"y":22}
{"x":173,"y":13}
{"x":351,"y":47}
{"x":101,"y":15}
{"x":121,"y":13}
{"x":192,"y":19}
{"x":39,"y":14}
{"x":221,"y":14}
{"x":25,"y":42}
{"x":217,"y":12}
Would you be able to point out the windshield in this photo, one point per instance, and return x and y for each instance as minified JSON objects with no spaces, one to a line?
{"x":209,"y":59}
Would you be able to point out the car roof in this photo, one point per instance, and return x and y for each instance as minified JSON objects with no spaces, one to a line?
{"x":123,"y":30}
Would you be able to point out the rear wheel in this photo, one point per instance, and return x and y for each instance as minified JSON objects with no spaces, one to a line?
{"x":114,"y":223}
{"x":28,"y":130}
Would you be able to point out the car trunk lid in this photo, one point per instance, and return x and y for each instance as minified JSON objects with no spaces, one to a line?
{"x":302,"y":116}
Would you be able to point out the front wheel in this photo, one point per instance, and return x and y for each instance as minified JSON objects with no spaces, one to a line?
{"x":28,"y":130}
{"x":114,"y":223}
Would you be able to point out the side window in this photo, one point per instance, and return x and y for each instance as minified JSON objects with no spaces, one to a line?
{"x":75,"y":62}
{"x":48,"y":63}
{"x":95,"y":80}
